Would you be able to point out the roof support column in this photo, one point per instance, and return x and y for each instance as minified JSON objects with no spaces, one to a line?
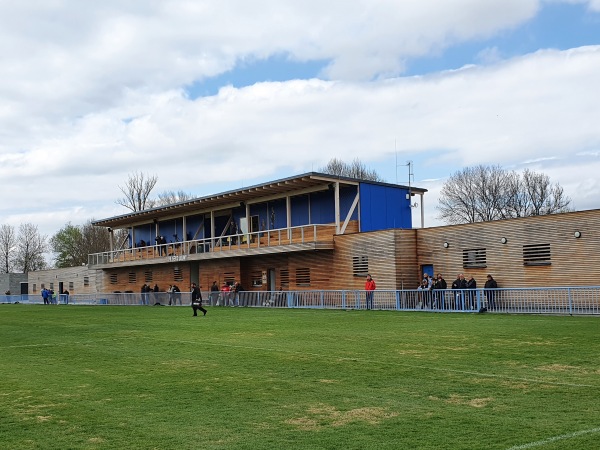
{"x":212,"y":229}
{"x":337,"y":206}
{"x":288,"y":215}
{"x":422,"y":212}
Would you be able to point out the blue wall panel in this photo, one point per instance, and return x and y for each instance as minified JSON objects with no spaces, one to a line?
{"x":383,"y":207}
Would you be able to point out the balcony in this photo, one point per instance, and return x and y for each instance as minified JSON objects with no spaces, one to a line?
{"x":283,"y":240}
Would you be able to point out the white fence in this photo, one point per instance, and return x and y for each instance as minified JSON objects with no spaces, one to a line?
{"x":561,"y":300}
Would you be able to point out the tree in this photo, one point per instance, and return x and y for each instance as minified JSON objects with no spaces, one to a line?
{"x":484,"y":193}
{"x":171,"y":197}
{"x":356,"y":169}
{"x":30,"y":249}
{"x":72,"y":244}
{"x":137,"y":191}
{"x":8,"y":242}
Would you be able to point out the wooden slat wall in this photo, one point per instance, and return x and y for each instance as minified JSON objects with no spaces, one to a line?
{"x":392,"y":259}
{"x":574,"y":261}
{"x":75,"y":275}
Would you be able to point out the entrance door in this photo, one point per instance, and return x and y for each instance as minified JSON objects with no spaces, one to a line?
{"x":271,"y":280}
{"x":426,"y":269}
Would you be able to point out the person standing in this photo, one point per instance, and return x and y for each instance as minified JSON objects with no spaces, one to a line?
{"x":197,"y":300}
{"x":490,"y":293}
{"x":369,"y":288}
{"x":440,"y":286}
{"x":472,"y":300}
{"x":214,"y":293}
{"x":45,"y":296}
{"x":458,"y":287}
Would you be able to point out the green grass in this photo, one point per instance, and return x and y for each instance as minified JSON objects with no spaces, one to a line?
{"x":157,"y":378}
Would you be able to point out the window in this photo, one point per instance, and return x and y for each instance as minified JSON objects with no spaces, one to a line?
{"x":536,"y":255}
{"x":34,"y":287}
{"x":229,"y":278}
{"x":474,"y":258}
{"x":114,"y":279}
{"x":256,"y":279}
{"x":52,"y":286}
{"x":86,"y":281}
{"x":303,"y":276}
{"x":360,"y":266}
{"x":284,"y":275}
{"x":177,"y":275}
{"x":71,"y":285}
{"x":147,"y":276}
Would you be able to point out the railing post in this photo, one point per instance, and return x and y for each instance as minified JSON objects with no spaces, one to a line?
{"x":570,"y":301}
{"x":398,"y":300}
{"x":343,"y":299}
{"x":322,"y":299}
{"x":357,"y":293}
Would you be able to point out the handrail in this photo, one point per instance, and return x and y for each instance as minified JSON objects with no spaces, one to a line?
{"x":176,"y":250}
{"x":580,"y":300}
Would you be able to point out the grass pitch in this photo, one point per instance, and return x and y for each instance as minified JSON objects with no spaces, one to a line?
{"x":76,"y":377}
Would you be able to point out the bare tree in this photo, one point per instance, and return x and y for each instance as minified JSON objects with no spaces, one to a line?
{"x":171,"y":197}
{"x":356,"y":169}
{"x":8,"y":242}
{"x":137,"y":191}
{"x":31,"y":246}
{"x":484,"y":193}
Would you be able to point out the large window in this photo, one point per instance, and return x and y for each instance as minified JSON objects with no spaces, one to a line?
{"x":536,"y":255}
{"x":114,"y":278}
{"x":474,"y":258}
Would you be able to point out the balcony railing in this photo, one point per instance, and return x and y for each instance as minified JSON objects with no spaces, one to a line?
{"x":176,"y":251}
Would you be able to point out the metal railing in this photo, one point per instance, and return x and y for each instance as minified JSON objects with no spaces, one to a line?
{"x":176,"y":251}
{"x":560,"y":300}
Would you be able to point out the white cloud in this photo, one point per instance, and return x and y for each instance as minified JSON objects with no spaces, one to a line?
{"x":91,"y":94}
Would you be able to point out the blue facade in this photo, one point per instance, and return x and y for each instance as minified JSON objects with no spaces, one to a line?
{"x":383,"y":207}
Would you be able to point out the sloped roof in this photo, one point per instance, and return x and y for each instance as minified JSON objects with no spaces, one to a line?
{"x":281,"y":187}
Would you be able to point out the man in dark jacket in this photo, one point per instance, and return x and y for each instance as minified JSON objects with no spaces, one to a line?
{"x":491,"y":294}
{"x":440,"y":286}
{"x":197,"y":300}
{"x":471,"y":297}
{"x":458,"y":286}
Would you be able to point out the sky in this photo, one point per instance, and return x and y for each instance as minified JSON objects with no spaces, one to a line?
{"x":212,"y":96}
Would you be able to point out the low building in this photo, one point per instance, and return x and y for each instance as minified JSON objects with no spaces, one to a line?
{"x":317,"y":231}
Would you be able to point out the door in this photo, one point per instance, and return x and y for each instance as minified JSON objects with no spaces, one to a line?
{"x":426,"y":269}
{"x":271,"y":280}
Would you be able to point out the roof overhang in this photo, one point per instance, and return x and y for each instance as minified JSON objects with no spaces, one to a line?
{"x":309,"y":182}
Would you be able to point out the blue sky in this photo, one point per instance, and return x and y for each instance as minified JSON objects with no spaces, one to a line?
{"x":213,"y":96}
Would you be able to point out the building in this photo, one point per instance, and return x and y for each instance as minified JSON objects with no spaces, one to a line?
{"x":316,"y":231}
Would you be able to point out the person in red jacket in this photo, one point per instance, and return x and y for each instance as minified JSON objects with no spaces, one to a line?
{"x":369,"y":287}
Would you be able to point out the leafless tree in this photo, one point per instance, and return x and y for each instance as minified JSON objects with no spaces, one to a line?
{"x":171,"y":197}
{"x":137,"y":191}
{"x":356,"y":169}
{"x":483,"y":193}
{"x":8,"y":242}
{"x":31,"y":246}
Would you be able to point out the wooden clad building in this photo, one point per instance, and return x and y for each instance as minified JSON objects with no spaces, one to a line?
{"x":317,"y":231}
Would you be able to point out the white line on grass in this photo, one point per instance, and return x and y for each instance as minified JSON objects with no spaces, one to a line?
{"x":410,"y":366}
{"x":554,"y":439}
